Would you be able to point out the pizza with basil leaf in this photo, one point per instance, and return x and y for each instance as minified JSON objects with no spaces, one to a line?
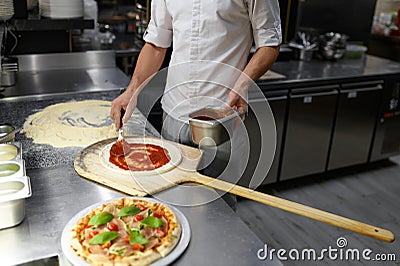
{"x":127,"y":231}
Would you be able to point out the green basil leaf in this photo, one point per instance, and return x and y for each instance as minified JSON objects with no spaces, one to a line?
{"x":138,"y":238}
{"x":152,"y":221}
{"x":103,"y":238}
{"x":129,"y":210}
{"x":101,"y":218}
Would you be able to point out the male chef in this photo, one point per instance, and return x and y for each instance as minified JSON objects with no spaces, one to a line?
{"x":221,"y":31}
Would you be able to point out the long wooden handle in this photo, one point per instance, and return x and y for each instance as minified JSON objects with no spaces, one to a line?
{"x":297,"y":208}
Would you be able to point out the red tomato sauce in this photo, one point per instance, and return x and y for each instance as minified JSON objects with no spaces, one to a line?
{"x":138,"y":156}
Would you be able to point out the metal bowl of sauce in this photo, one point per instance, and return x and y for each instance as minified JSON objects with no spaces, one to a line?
{"x":212,"y":126}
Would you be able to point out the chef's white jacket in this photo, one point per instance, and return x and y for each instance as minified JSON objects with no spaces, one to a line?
{"x":211,"y":43}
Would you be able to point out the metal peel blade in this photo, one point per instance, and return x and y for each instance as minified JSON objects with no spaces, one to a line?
{"x":120,"y":130}
{"x":120,"y":134}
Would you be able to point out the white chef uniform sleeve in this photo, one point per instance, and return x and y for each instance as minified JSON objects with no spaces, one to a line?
{"x":159,"y":30}
{"x":265,"y":21}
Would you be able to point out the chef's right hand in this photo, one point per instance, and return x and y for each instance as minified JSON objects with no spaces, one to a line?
{"x":126,"y":101}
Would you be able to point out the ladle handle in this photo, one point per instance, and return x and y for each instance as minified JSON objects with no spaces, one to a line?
{"x":12,"y":133}
{"x":297,"y":208}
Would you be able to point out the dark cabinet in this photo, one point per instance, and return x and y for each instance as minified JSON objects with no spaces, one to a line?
{"x":309,"y":128}
{"x":387,"y":136}
{"x":277,"y":101}
{"x":355,"y":121}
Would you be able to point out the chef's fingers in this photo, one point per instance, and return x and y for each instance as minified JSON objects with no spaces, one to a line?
{"x":232,"y":99}
{"x":130,"y":109}
{"x":115,"y":112}
{"x":117,"y":118}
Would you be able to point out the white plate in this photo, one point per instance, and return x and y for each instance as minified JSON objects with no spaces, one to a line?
{"x":172,"y":149}
{"x":175,"y":253}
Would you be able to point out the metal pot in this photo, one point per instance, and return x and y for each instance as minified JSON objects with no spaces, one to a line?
{"x":332,"y":46}
{"x":212,"y":126}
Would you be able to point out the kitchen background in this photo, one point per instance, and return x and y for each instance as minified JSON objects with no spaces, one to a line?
{"x":332,"y":152}
{"x":119,"y":25}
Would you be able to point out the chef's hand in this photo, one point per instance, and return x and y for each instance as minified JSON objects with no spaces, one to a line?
{"x":237,"y":100}
{"x":126,"y":101}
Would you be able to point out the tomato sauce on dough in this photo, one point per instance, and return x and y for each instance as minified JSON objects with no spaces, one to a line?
{"x":138,"y":156}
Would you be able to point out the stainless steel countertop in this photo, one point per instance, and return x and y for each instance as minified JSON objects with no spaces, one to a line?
{"x":65,"y":74}
{"x":316,"y":71}
{"x":219,"y":236}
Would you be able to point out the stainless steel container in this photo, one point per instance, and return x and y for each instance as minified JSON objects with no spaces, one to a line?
{"x":13,"y":192}
{"x":4,"y":130}
{"x":9,"y":69}
{"x":211,"y":126}
{"x":11,"y":169}
{"x":8,"y":152}
{"x":7,"y":78}
{"x":14,"y":185}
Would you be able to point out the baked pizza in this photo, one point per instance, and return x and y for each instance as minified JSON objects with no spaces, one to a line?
{"x":127,"y":231}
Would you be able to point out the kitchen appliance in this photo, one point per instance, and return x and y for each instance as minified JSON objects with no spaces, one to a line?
{"x":277,"y":101}
{"x":309,"y":128}
{"x":355,"y":123}
{"x":387,"y":141}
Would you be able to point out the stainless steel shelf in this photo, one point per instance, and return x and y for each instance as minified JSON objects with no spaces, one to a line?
{"x":46,"y":24}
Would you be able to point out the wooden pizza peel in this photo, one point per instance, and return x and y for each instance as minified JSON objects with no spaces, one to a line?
{"x":88,"y":165}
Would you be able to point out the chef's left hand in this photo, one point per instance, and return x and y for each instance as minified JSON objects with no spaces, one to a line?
{"x":237,"y":100}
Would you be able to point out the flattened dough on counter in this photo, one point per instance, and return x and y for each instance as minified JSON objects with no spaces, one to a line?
{"x":71,"y":124}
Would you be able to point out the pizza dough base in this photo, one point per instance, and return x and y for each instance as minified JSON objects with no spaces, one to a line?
{"x":71,"y":124}
{"x":173,"y":151}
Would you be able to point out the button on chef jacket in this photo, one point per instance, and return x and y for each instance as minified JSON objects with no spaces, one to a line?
{"x":211,"y":42}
